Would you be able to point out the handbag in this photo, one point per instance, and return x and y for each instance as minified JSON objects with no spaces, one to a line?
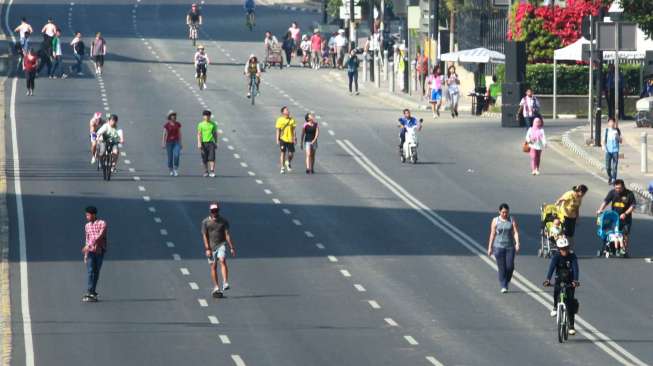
{"x":525,"y":148}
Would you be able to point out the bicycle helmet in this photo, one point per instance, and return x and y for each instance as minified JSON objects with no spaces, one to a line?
{"x":200,"y":47}
{"x":562,"y":243}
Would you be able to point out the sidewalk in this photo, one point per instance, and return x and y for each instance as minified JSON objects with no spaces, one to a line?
{"x":400,"y":99}
{"x":577,"y":139}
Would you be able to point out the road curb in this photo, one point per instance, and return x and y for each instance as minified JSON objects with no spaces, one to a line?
{"x":596,"y":164}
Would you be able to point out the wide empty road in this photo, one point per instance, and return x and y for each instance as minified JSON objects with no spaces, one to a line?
{"x":367,"y":262}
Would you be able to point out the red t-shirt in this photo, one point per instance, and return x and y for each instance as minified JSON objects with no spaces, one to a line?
{"x":29,"y":62}
{"x":173,"y":128}
{"x":316,"y":42}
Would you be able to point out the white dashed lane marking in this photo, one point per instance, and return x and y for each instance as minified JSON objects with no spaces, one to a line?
{"x":276,"y":201}
{"x":203,"y":303}
{"x":176,"y":257}
{"x":434,"y":361}
{"x":193,"y":286}
{"x":320,"y":246}
{"x":184,"y":271}
{"x":391,"y":322}
{"x":374,"y":304}
{"x":224,"y":339}
{"x":297,"y":222}
{"x":163,"y":232}
{"x":345,"y":273}
{"x":157,"y":220}
{"x":213,"y":319}
{"x":238,"y":361}
{"x":286,"y":211}
{"x":411,"y":340}
{"x":359,"y":287}
{"x":146,"y":198}
{"x":332,"y":258}
{"x":170,"y":244}
{"x":309,"y":234}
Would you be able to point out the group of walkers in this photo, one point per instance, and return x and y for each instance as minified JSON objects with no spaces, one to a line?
{"x":50,"y":55}
{"x":435,"y":82}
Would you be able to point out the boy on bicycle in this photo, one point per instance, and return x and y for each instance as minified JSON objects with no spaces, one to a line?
{"x":565,"y":264}
{"x":252,"y":71}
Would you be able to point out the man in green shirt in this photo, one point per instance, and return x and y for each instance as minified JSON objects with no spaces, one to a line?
{"x":207,"y":138}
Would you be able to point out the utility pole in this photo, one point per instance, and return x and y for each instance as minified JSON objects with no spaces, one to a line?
{"x":324,"y":12}
{"x":352,"y":31}
{"x":436,"y":26}
{"x":599,"y":89}
{"x":371,"y":42}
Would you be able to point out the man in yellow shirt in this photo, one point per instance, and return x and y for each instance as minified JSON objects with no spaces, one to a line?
{"x":286,"y":138}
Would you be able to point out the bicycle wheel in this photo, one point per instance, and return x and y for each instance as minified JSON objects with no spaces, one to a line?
{"x":560,"y":324}
{"x":107,"y":166}
{"x":565,"y":326}
{"x":252,"y":91}
{"x":104,"y":167}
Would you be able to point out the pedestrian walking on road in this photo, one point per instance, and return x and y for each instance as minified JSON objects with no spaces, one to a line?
{"x":352,"y":70}
{"x":288,"y":45}
{"x":611,"y":141}
{"x":536,"y":140}
{"x":207,"y":140}
{"x":98,"y":51}
{"x":529,"y":107}
{"x":310,"y":134}
{"x":453,"y":89}
{"x":78,"y":53}
{"x":30,"y":65}
{"x":57,"y":57}
{"x":296,"y":34}
{"x":171,"y":141}
{"x":570,"y":203}
{"x":316,"y":49}
{"x":216,"y":236}
{"x":24,"y":30}
{"x":45,"y":58}
{"x":341,"y":48}
{"x":286,"y":138}
{"x":504,"y":244}
{"x":435,"y":81}
{"x":95,"y":246}
{"x":422,"y":68}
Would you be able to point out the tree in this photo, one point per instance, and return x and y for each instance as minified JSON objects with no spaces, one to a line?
{"x":640,"y":11}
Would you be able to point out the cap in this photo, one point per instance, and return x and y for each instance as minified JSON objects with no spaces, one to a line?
{"x":341,"y":31}
{"x":171,"y":112}
{"x":316,"y":30}
{"x":213,"y":206}
{"x":562,"y":243}
{"x":200,"y":47}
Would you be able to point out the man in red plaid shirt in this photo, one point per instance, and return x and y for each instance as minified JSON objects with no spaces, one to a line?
{"x":94,"y":248}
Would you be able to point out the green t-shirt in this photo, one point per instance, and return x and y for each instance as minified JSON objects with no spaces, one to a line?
{"x":207,"y":130}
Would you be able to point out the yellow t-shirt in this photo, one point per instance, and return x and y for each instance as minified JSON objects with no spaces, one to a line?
{"x":287,"y":126}
{"x":571,"y":204}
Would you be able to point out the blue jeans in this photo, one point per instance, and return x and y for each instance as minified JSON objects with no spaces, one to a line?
{"x":77,"y":67}
{"x":611,"y":164}
{"x":174,"y":151}
{"x":506,"y":263}
{"x":55,"y":66}
{"x":93,"y":265}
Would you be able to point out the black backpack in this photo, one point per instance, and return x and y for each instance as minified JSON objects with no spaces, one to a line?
{"x":80,"y":48}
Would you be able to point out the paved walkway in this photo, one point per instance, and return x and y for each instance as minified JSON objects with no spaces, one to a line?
{"x":629,"y":161}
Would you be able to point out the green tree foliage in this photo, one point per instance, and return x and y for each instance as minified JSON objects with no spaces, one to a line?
{"x":640,"y":11}
{"x":540,"y":44}
{"x":333,"y":7}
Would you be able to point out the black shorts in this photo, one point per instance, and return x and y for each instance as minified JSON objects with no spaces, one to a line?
{"x":99,"y":59}
{"x":287,"y":146}
{"x":569,"y":227}
{"x":208,"y":152}
{"x":201,"y":70}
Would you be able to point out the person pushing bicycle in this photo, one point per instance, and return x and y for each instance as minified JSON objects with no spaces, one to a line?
{"x":252,"y":69}
{"x":565,"y":265}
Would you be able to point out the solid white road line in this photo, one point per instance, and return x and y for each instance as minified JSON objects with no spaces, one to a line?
{"x":434,"y":361}
{"x":238,"y":361}
{"x":193,"y":286}
{"x":391,"y":322}
{"x":594,"y":335}
{"x":213,"y":319}
{"x":184,"y":271}
{"x":20,"y":214}
{"x":224,"y":339}
{"x":345,"y":273}
{"x":359,"y":287}
{"x":374,"y":304}
{"x":411,"y":340}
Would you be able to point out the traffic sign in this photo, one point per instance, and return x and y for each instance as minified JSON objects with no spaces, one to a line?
{"x":344,"y":12}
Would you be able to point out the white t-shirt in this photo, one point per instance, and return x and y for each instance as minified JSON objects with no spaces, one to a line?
{"x":340,"y":41}
{"x":530,"y":104}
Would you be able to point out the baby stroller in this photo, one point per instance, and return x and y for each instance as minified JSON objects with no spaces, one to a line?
{"x":609,"y":232}
{"x":548,"y":214}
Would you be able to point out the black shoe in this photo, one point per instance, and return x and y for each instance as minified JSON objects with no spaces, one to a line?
{"x":312,"y":171}
{"x":308,"y":171}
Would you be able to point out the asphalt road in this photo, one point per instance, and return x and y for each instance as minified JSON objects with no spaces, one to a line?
{"x":368,"y":262}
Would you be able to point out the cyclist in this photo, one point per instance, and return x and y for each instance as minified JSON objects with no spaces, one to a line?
{"x":252,"y":68}
{"x":565,"y":265}
{"x":406,"y":121}
{"x":201,"y":60}
{"x":623,"y":202}
{"x":193,"y":19}
{"x":93,"y":125}
{"x":110,"y":134}
{"x":250,"y":6}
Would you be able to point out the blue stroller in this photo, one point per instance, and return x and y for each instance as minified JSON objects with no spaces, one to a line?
{"x":609,"y":232}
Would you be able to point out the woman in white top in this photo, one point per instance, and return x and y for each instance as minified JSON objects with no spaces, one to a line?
{"x":536,"y":140}
{"x":453,"y":88}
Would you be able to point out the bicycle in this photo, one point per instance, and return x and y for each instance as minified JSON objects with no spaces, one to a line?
{"x":194,"y":34}
{"x":562,"y":313}
{"x":201,"y":76}
{"x":250,"y":21}
{"x":253,"y":90}
{"x":106,"y":160}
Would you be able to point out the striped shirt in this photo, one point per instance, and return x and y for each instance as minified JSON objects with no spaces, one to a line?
{"x":96,"y":238}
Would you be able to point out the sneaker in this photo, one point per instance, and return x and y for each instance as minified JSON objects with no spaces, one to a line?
{"x":504,"y":290}
{"x":172,"y":173}
{"x":93,"y":160}
{"x":308,"y":171}
{"x":553,"y":313}
{"x":356,"y":93}
{"x":537,"y":172}
{"x":283,"y":171}
{"x":216,"y":291}
{"x":572,"y":331}
{"x":312,"y":171}
{"x":212,"y":175}
{"x":27,"y":93}
{"x":175,"y":173}
{"x":225,"y":286}
{"x":206,"y":174}
{"x":288,"y":167}
{"x":249,"y":95}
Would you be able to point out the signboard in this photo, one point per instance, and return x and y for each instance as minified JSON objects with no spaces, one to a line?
{"x":627,"y":36}
{"x":344,"y":12}
{"x":414,"y":17}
